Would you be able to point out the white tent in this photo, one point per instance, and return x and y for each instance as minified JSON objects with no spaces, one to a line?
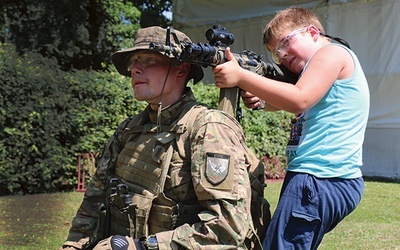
{"x":372,"y":27}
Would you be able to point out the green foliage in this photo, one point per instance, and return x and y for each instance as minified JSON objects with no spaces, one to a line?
{"x":121,"y":20}
{"x":34,"y":117}
{"x":80,"y":34}
{"x":206,"y":93}
{"x":100,"y":102}
{"x":49,"y":116}
{"x":153,"y":12}
{"x":266,"y":132}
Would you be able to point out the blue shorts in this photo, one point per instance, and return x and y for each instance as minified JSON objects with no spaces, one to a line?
{"x":308,"y":208}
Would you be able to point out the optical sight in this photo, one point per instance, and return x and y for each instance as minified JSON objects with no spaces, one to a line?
{"x":219,"y":36}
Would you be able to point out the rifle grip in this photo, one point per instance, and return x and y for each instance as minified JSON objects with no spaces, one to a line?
{"x":227,"y":100}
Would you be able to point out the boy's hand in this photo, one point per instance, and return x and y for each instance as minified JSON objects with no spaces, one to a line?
{"x":250,"y":101}
{"x":226,"y":75}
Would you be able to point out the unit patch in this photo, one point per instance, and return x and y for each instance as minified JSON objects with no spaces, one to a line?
{"x":217,"y":167}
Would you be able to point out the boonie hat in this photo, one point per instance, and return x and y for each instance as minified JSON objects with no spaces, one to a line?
{"x":142,"y":39}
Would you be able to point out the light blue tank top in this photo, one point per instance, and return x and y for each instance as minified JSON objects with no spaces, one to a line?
{"x":326,"y":140}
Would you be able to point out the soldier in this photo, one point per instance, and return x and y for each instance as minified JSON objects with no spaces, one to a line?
{"x":174,"y":176}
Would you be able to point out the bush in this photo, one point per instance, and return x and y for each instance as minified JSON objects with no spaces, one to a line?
{"x":50,"y":116}
{"x":33,"y":116}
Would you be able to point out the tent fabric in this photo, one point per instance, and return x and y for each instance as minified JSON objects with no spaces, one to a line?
{"x":370,"y":26}
{"x":200,"y":12}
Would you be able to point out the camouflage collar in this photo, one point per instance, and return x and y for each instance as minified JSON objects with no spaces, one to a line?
{"x":173,"y":111}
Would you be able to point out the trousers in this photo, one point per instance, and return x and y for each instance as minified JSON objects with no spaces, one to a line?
{"x":308,"y":208}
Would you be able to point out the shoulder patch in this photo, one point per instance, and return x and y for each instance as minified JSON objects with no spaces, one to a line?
{"x":217,"y":167}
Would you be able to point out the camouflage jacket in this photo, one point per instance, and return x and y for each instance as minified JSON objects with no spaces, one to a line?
{"x":217,"y":179}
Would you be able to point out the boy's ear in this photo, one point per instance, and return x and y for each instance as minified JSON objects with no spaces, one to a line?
{"x":314,"y":31}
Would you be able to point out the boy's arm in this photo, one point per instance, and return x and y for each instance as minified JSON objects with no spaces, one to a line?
{"x":325,"y":67}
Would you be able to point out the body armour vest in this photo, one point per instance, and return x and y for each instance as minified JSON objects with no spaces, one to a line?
{"x":154,"y":167}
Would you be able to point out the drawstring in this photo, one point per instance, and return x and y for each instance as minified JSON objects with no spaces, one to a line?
{"x":160,"y":103}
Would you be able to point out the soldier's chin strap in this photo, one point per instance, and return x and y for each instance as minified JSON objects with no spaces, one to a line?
{"x":159,"y":105}
{"x":170,"y":31}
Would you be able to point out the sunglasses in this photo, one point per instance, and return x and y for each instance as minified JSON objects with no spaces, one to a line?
{"x":143,"y":59}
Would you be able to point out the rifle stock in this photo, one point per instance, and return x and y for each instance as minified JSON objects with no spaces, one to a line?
{"x":228,"y":100}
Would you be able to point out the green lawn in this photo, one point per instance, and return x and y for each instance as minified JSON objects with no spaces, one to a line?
{"x":374,"y":225}
{"x":42,"y":221}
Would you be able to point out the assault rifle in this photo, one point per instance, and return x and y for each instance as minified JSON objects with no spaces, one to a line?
{"x":118,"y":199}
{"x":213,"y":54}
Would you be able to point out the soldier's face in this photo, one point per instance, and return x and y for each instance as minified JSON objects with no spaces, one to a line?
{"x":148,"y":71}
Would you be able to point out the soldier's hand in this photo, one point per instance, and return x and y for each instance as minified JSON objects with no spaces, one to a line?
{"x":119,"y":242}
{"x":73,"y":245}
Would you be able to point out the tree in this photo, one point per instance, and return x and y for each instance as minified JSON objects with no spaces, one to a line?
{"x":153,"y":12}
{"x":80,"y":34}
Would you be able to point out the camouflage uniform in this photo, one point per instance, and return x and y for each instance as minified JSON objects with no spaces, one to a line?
{"x":224,"y":196}
{"x":187,"y":171}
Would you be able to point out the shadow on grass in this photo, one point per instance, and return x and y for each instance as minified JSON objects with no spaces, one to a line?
{"x":381,"y":179}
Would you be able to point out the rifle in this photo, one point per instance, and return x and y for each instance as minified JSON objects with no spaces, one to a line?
{"x":117,"y":196}
{"x":213,"y":54}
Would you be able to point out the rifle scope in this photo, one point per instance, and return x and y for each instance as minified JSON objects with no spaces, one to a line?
{"x":219,"y":36}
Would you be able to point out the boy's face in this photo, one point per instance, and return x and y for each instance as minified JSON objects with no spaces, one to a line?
{"x":290,"y":49}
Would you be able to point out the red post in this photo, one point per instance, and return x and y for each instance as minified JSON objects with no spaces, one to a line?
{"x":85,"y":164}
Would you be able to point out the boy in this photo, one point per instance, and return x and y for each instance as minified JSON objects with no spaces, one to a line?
{"x":324,"y":182}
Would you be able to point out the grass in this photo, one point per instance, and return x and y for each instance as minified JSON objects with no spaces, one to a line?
{"x":374,"y":225}
{"x":42,"y":221}
{"x":35,"y":222}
